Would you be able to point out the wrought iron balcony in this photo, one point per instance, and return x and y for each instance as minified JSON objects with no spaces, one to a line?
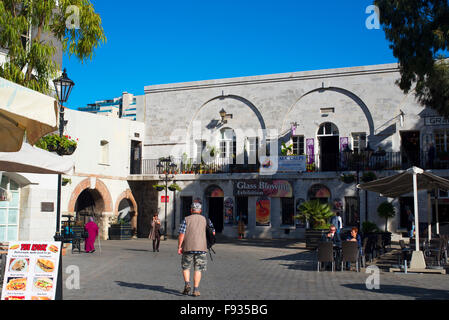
{"x":342,"y":161}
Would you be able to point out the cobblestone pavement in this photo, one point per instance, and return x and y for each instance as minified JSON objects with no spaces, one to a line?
{"x":240,"y":270}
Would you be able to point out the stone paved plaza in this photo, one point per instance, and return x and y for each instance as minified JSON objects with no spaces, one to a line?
{"x":241,"y":270}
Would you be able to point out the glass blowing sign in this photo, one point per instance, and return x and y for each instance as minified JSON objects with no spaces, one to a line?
{"x":268,"y":188}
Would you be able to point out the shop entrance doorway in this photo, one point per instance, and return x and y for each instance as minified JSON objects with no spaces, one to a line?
{"x":328,"y":139}
{"x":215,"y":206}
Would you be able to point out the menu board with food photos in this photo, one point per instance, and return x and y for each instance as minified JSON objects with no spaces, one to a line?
{"x":31,"y":270}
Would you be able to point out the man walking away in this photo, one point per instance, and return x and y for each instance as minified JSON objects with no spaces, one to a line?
{"x":192,"y":245}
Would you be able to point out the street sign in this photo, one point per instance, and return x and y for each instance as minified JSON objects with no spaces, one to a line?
{"x":165,"y":199}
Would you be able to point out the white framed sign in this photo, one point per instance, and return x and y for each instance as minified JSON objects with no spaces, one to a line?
{"x":31,"y":270}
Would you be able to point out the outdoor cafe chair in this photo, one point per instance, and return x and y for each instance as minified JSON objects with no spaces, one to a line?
{"x":379,"y":246}
{"x":350,"y":253}
{"x":434,"y":250}
{"x":325,"y":254}
{"x":365,"y":243}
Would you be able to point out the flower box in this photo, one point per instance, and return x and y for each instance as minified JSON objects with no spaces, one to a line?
{"x":120,"y":232}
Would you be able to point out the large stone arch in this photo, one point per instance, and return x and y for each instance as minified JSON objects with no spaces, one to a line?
{"x":87,"y":184}
{"x":102,"y":190}
{"x":128,"y":196}
{"x":345,"y":92}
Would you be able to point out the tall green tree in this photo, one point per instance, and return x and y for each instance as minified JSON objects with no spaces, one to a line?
{"x":419,"y":34}
{"x":72,"y":24}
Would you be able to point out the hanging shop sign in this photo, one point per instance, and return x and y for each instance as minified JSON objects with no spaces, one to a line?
{"x":292,"y":164}
{"x":263,"y":211}
{"x":286,"y":164}
{"x":268,"y":188}
{"x":31,"y":271}
{"x":435,"y":121}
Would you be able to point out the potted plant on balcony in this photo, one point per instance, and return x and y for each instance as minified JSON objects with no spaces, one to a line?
{"x":159,"y":187}
{"x":347,"y":178}
{"x":368,"y":177}
{"x":120,"y":229}
{"x":317,"y":215}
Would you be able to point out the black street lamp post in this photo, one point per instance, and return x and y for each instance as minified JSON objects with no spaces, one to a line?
{"x":63,"y":86}
{"x":165,"y":164}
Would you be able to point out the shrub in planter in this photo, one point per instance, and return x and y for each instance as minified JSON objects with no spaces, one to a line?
{"x":317,"y":213}
{"x":369,"y":227}
{"x":386,"y":210}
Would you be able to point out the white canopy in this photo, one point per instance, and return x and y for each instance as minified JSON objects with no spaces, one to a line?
{"x":34,"y":160}
{"x":24,"y":111}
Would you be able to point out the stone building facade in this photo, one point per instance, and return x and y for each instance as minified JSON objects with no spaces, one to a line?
{"x":348,"y":121}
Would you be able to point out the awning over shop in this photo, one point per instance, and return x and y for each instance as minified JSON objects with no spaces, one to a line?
{"x":34,"y":160}
{"x":24,"y":111}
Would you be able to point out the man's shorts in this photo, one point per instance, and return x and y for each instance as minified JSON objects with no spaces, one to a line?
{"x":198,"y":260}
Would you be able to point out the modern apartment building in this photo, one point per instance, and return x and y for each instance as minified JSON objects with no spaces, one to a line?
{"x":127,"y":106}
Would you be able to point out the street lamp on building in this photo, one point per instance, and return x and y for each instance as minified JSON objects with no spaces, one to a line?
{"x":224,"y":116}
{"x":169,"y":167}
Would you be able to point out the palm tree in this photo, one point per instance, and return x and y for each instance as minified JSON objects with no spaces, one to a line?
{"x":316,"y":212}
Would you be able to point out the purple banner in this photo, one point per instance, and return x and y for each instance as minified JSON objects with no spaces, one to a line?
{"x":310,"y":145}
{"x":344,"y":143}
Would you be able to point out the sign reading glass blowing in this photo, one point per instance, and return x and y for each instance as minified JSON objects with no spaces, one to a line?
{"x":268,"y":188}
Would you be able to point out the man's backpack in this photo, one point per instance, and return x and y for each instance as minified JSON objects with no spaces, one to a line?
{"x":211,"y":240}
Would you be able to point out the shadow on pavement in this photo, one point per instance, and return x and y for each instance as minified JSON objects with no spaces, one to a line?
{"x":137,"y":250}
{"x":414,"y":292}
{"x":275,"y":243}
{"x":302,"y":260}
{"x":149,"y":287}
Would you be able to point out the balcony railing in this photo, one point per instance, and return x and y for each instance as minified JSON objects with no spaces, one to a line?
{"x":316,"y":163}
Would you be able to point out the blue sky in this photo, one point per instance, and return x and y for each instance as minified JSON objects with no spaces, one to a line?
{"x":157,"y":42}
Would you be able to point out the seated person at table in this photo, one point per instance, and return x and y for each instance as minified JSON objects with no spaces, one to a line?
{"x":332,"y":236}
{"x":355,"y":236}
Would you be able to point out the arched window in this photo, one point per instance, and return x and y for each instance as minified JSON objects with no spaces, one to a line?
{"x":328,"y":129}
{"x":319,"y":192}
{"x":9,"y":210}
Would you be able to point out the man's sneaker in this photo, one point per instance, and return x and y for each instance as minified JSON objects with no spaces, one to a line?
{"x":196,"y":293}
{"x":187,"y":289}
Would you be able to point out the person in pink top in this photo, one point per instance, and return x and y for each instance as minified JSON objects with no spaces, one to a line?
{"x":92,"y":228}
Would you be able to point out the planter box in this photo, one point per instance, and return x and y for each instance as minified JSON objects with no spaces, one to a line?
{"x":120,"y":232}
{"x":313,"y":237}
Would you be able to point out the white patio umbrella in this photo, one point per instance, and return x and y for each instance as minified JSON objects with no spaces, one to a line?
{"x":411,"y":180}
{"x":24,"y":111}
{"x":34,"y":160}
